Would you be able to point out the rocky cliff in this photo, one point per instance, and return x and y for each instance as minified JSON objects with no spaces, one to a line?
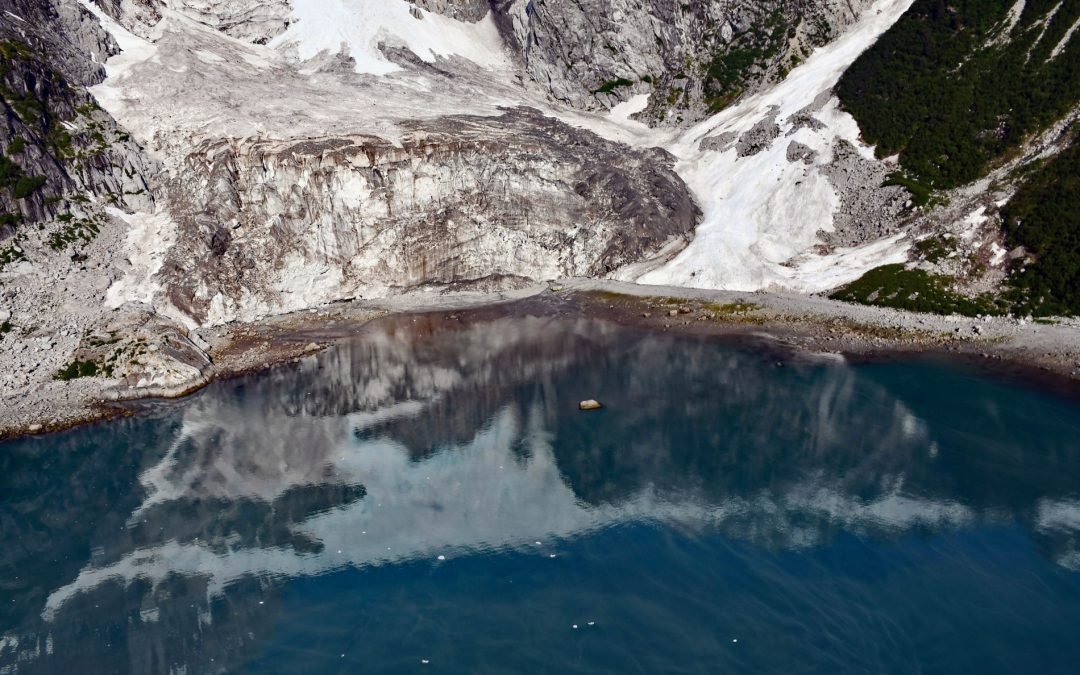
{"x":59,"y":149}
{"x":691,"y":59}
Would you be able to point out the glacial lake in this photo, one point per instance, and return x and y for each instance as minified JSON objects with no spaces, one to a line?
{"x":426,"y":497}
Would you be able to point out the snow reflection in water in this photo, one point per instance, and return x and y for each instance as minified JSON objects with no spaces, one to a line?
{"x":438,"y":440}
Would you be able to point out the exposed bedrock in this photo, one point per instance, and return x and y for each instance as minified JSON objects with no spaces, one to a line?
{"x":57,"y":147}
{"x":249,"y":20}
{"x":691,"y":57}
{"x":462,"y":10}
{"x":270,"y":226}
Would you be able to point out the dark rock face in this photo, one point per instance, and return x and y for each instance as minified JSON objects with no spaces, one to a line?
{"x":57,"y":144}
{"x":462,"y":200}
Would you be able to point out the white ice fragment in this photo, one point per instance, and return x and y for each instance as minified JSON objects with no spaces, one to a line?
{"x":442,"y":557}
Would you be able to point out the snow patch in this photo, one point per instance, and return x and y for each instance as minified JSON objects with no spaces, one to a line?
{"x":357,"y":27}
{"x":1060,"y":47}
{"x":998,"y":253}
{"x":1011,"y":19}
{"x":972,"y":222}
{"x":1043,"y":24}
{"x":149,"y":237}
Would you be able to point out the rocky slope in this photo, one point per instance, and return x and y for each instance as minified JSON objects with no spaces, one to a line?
{"x":60,"y":149}
{"x":975,"y":102}
{"x":692,"y":59}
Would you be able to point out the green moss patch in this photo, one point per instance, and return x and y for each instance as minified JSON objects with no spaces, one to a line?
{"x":916,"y":291}
{"x":77,"y":369}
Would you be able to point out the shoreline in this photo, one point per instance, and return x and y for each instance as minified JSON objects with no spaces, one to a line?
{"x":802,"y":326}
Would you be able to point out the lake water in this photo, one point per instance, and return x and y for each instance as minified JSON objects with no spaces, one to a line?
{"x":428,"y":498}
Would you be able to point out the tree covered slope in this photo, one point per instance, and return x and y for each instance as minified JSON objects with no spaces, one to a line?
{"x":956,"y":84}
{"x":954,"y":89}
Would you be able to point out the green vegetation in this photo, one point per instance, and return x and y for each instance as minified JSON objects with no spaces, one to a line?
{"x":952,"y":95}
{"x":73,"y":230}
{"x":917,"y":291}
{"x":6,"y":328}
{"x":1044,"y":217}
{"x":18,"y":144}
{"x":9,"y":254}
{"x":920,"y":192}
{"x":11,"y":176}
{"x":933,"y":249}
{"x":612,"y":85}
{"x":26,"y":186}
{"x":728,"y":73}
{"x":77,"y":369}
{"x":9,"y":171}
{"x":11,"y":50}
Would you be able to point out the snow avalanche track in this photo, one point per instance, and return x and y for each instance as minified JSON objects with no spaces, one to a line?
{"x":330,"y":73}
{"x":762,"y":211}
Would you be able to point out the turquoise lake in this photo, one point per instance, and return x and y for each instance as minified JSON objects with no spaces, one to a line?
{"x":426,"y":497}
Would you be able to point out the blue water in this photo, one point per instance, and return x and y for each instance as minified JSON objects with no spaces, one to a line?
{"x":427,"y":498}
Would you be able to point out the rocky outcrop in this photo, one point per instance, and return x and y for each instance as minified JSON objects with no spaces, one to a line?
{"x":869,"y":208}
{"x":249,"y":20}
{"x":462,"y":10}
{"x":57,"y":147}
{"x":268,"y":226}
{"x":691,"y":58}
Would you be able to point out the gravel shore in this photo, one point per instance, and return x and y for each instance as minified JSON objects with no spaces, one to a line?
{"x":797,"y":324}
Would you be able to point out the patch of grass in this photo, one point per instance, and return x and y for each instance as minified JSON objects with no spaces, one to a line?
{"x":96,"y":341}
{"x":27,"y":185}
{"x":916,"y":291}
{"x":933,"y":249}
{"x":17,"y":145}
{"x":77,"y":369}
{"x":1044,"y":217}
{"x":730,"y":308}
{"x":612,"y":85}
{"x":8,"y":255}
{"x":74,"y":230}
{"x":920,"y":192}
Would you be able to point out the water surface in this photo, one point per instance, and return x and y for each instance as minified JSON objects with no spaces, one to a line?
{"x":427,"y":497}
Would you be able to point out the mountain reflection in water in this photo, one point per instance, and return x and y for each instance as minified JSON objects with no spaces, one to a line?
{"x":165,"y":543}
